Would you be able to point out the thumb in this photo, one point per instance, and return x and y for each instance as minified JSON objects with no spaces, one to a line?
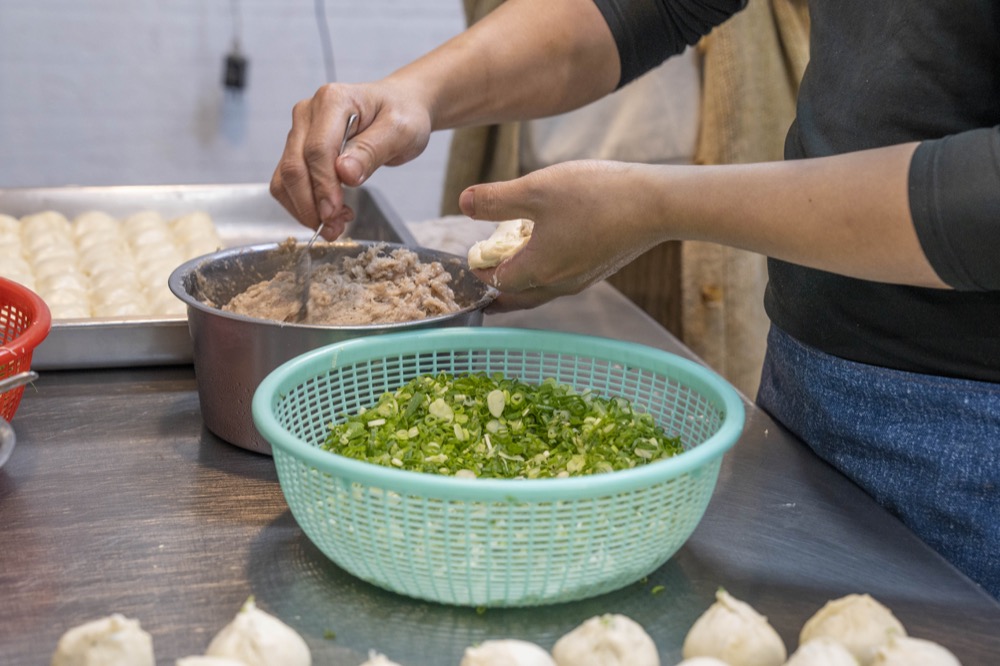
{"x":380,"y":143}
{"x":494,"y":201}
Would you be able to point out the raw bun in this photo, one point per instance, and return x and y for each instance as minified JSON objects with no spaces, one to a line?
{"x":507,"y":239}
{"x":259,"y":639}
{"x":731,"y":630}
{"x":111,"y":641}
{"x":822,"y":651}
{"x":856,"y":621}
{"x":606,"y":640}
{"x":906,"y":651}
{"x":506,"y":652}
{"x":376,"y":659}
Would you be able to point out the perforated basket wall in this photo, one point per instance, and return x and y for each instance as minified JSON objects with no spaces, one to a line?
{"x":25,"y":321}
{"x":495,"y":542}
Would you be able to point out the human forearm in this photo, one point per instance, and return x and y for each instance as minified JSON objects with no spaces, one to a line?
{"x":525,"y":59}
{"x":847,"y":214}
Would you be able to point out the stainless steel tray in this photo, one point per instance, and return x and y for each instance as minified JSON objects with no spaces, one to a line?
{"x":244,"y":214}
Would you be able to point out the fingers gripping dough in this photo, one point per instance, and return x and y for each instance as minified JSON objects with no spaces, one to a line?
{"x":508,"y":238}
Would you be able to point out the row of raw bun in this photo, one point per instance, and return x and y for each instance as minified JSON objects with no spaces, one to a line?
{"x":854,"y":630}
{"x":98,"y":265}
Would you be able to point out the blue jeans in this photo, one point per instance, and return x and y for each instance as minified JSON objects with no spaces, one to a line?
{"x":925,"y":447}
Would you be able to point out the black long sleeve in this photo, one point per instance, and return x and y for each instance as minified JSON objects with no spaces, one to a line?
{"x":884,"y":73}
{"x":648,"y":32}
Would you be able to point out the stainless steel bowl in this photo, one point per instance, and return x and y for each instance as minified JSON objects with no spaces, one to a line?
{"x":7,"y":441}
{"x":233,"y":353}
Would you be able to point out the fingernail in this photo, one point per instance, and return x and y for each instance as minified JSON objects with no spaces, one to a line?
{"x":467,"y":202}
{"x":325,"y":210}
{"x":352,"y":170}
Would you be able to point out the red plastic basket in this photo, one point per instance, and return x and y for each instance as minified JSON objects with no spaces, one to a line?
{"x":25,"y":320}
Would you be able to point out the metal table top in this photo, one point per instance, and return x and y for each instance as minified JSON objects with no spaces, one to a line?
{"x":117,"y":499}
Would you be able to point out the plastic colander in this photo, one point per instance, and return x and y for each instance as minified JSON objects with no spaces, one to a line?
{"x":495,"y":542}
{"x":24,"y":322}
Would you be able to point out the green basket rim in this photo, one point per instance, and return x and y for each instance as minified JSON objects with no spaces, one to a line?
{"x":309,"y":365}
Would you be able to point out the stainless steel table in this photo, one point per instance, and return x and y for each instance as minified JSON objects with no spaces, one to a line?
{"x":118,"y":500}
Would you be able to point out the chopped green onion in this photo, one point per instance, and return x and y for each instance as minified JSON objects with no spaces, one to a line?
{"x":480,"y":425}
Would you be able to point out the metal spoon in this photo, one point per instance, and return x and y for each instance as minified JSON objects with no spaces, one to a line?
{"x":303,"y":267}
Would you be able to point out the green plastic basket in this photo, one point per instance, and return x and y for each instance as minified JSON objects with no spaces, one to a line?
{"x":495,"y":542}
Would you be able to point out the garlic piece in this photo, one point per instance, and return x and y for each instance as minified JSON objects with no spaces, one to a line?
{"x":856,"y":621}
{"x":259,"y":639}
{"x":731,"y":630}
{"x":505,"y":241}
{"x":506,"y":652}
{"x":822,"y":651}
{"x":376,"y":659}
{"x":905,"y":651}
{"x":111,"y":641}
{"x":606,"y":640}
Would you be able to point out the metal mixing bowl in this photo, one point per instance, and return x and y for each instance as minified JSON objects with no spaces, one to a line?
{"x":233,"y":353}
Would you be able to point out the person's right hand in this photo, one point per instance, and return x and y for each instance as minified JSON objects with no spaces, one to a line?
{"x":393,"y":127}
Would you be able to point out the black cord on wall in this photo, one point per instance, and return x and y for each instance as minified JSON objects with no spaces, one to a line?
{"x":234,"y":75}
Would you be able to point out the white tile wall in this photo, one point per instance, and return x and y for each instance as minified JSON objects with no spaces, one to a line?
{"x":109,"y":92}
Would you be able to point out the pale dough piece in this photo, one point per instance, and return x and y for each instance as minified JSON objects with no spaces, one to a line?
{"x":507,"y":239}
{"x":112,"y":641}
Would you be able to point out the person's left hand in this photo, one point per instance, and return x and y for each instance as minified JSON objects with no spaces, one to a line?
{"x":590,"y":219}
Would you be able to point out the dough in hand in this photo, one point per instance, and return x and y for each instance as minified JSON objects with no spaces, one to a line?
{"x":507,"y":239}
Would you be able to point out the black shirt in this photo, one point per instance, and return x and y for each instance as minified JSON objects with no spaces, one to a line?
{"x":883,"y":73}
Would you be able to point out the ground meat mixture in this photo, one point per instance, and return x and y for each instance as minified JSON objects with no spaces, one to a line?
{"x":372,"y":288}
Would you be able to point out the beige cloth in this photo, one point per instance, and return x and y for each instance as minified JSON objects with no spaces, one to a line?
{"x":709,"y":296}
{"x":752,"y":67}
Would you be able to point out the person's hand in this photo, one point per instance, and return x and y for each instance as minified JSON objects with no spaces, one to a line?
{"x":590,"y":219}
{"x":393,"y":127}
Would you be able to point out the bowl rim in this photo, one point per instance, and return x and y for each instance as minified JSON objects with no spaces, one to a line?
{"x":304,"y":367}
{"x":176,"y":285}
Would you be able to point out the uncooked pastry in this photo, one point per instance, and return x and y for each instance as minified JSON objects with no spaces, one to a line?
{"x":506,"y":241}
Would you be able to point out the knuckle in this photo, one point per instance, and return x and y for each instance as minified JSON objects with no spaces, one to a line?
{"x":301,"y":109}
{"x":291,"y":173}
{"x":316,"y":156}
{"x":276,"y":188}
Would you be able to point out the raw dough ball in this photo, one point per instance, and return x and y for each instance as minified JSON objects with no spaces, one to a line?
{"x":606,"y":640}
{"x":259,"y":639}
{"x":376,"y":659}
{"x":703,"y":661}
{"x":208,"y":661}
{"x":731,"y":630}
{"x":94,"y":222}
{"x":506,"y":240}
{"x":906,"y":651}
{"x":507,"y":652}
{"x":111,"y":641}
{"x":822,"y":651}
{"x":856,"y":621}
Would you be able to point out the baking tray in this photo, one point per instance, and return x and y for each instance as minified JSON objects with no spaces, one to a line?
{"x":244,"y":214}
